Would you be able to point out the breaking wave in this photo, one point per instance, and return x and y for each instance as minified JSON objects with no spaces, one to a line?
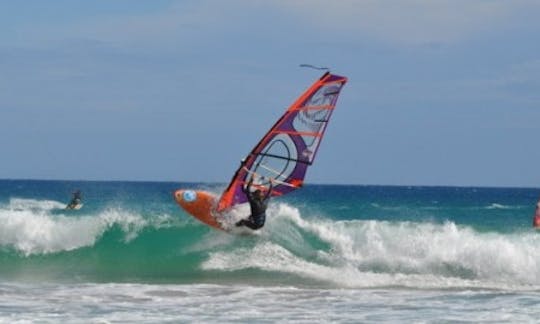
{"x":314,"y":249}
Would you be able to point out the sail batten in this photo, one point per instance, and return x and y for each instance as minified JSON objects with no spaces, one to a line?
{"x":290,"y":146}
{"x":297,"y":133}
{"x":285,"y":158}
{"x":314,"y":107}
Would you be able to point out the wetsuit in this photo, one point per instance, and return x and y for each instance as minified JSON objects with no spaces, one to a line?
{"x":258,"y":209}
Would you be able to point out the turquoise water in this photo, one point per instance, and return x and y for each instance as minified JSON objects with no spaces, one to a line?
{"x":324,"y":248}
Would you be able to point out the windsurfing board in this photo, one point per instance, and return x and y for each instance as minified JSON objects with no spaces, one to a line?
{"x":74,"y":207}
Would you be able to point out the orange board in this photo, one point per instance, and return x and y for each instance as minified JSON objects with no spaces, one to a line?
{"x":199,"y":204}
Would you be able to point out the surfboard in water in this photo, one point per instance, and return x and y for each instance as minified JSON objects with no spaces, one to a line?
{"x":283,"y":154}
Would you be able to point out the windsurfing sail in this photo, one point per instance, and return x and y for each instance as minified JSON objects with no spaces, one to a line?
{"x":290,"y":146}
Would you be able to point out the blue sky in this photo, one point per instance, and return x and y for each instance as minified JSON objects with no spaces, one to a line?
{"x":440,"y":92}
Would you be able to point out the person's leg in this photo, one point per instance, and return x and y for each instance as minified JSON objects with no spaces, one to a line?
{"x":248,"y":223}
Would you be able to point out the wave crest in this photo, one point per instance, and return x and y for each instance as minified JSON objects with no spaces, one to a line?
{"x":374,"y":253}
{"x":31,"y":226}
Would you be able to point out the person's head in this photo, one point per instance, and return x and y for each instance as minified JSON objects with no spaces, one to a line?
{"x":258,"y":193}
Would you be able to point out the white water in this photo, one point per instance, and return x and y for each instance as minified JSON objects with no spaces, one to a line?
{"x":138,"y":303}
{"x":367,"y":254}
{"x":33,"y":227}
{"x":371,"y":272}
{"x":357,"y":254}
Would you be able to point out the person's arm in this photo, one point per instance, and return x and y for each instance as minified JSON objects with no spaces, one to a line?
{"x":269,"y":192}
{"x":246,"y":188}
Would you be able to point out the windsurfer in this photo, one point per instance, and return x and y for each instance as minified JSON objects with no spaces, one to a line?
{"x":536,"y":218}
{"x":258,"y":202}
{"x":75,"y":200}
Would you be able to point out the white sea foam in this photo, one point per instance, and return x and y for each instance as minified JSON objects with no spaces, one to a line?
{"x":229,"y":219}
{"x":30,"y":227}
{"x":379,"y":253}
{"x":33,"y":204}
{"x":106,"y":303}
{"x":499,"y":206}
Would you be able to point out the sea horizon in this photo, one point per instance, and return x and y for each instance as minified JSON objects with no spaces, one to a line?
{"x":223,"y":183}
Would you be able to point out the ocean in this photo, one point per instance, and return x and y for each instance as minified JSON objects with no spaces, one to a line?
{"x":328,"y":253}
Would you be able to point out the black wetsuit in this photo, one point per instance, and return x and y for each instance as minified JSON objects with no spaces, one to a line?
{"x":258,"y":209}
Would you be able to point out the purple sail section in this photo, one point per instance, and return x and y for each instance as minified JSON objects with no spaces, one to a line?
{"x":290,"y":147}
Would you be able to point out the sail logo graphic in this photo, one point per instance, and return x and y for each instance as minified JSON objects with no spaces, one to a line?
{"x":190,"y":196}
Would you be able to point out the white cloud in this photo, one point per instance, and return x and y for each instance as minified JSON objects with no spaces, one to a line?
{"x":395,"y":22}
{"x":179,"y":21}
{"x":411,"y":21}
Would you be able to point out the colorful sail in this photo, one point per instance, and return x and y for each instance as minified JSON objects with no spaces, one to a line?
{"x":290,"y":147}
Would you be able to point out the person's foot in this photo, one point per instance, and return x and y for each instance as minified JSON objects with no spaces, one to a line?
{"x":239,"y":223}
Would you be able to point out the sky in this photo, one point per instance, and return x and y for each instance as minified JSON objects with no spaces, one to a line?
{"x":442,"y":92}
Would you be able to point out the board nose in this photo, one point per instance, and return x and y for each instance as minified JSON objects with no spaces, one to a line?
{"x":178,"y":195}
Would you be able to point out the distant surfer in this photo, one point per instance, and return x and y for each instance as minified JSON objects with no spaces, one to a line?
{"x":76,"y":200}
{"x":258,"y":202}
{"x":536,"y":218}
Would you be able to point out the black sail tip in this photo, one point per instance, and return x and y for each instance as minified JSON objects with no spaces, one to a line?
{"x":310,"y":66}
